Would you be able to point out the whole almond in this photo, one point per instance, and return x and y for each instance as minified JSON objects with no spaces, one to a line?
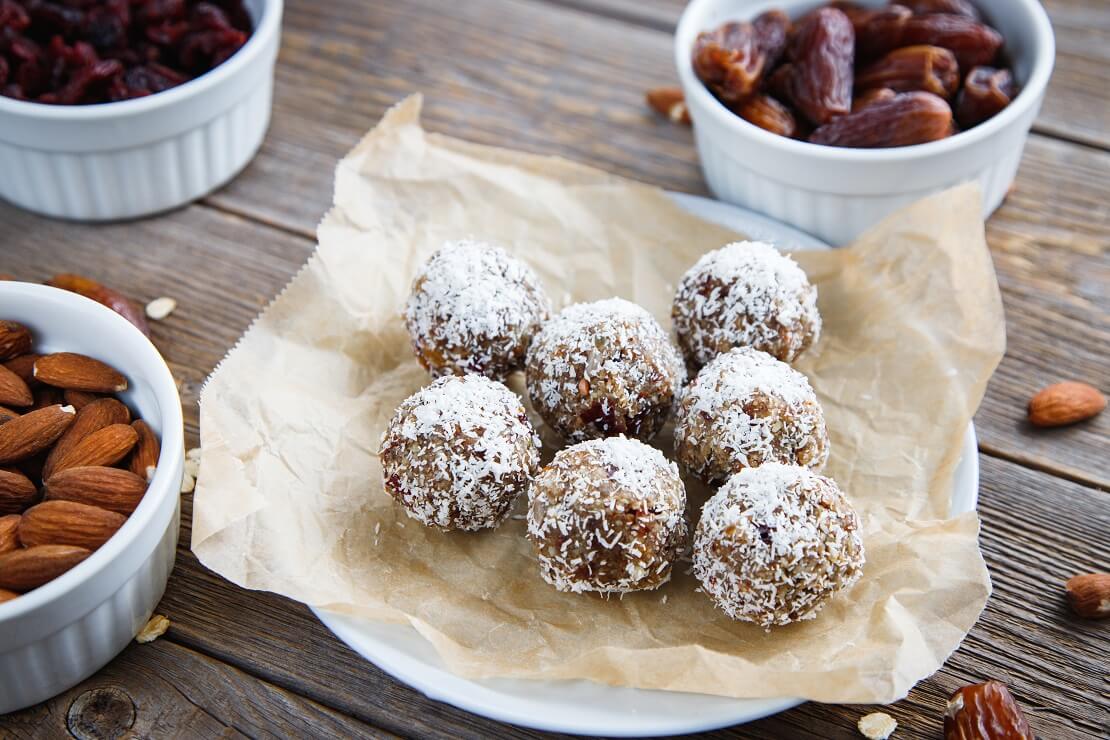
{"x":9,"y":533}
{"x":1065,"y":403}
{"x":93,"y":417}
{"x":13,"y":391}
{"x":80,"y":399}
{"x":26,"y":435}
{"x":24,"y":367}
{"x":15,"y":340}
{"x":23,"y":570}
{"x":7,"y":414}
{"x":147,"y":450}
{"x":6,"y":595}
{"x":79,"y":372}
{"x":68,"y":523}
{"x":17,"y":492}
{"x":670,"y":102}
{"x":1089,"y":595}
{"x":105,"y":446}
{"x":109,"y":488}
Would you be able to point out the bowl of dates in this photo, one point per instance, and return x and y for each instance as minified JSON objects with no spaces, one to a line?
{"x":832,"y":115}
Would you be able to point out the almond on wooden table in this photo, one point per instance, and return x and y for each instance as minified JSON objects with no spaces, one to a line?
{"x":9,"y":533}
{"x":13,"y":391}
{"x":670,"y":102}
{"x":23,"y":570}
{"x":109,"y":488}
{"x":15,"y":340}
{"x":1065,"y":403}
{"x":101,"y":413}
{"x":33,"y":432}
{"x":70,"y":370}
{"x":17,"y":491}
{"x":1089,"y":595}
{"x":68,"y":523}
{"x":105,"y":446}
{"x":147,"y":450}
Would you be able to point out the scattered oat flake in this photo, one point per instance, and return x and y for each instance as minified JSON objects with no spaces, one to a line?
{"x":188,"y":482}
{"x":160,"y":308}
{"x":154,"y":629}
{"x":877,"y":725}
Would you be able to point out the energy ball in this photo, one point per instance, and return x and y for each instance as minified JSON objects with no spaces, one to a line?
{"x":602,"y":369}
{"x":474,"y":309}
{"x":746,"y":294}
{"x":457,"y":453}
{"x":607,"y":515}
{"x":775,"y":544}
{"x":746,"y":409}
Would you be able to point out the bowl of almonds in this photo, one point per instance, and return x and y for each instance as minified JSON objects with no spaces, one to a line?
{"x":830,"y":115}
{"x":91,"y":462}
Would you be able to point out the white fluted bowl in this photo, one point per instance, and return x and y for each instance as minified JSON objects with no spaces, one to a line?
{"x":138,"y":157}
{"x":54,"y":637}
{"x":836,"y":193}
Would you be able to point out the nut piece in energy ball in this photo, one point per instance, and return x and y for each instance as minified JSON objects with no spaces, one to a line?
{"x":474,"y":309}
{"x":607,"y":515}
{"x":775,"y":544}
{"x":457,"y":453}
{"x":747,"y":409}
{"x":745,"y":294}
{"x":602,"y":369}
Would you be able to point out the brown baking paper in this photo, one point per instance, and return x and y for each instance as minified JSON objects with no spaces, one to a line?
{"x":290,"y":497}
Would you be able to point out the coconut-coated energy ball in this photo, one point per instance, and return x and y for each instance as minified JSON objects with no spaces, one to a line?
{"x":602,"y":369}
{"x":746,"y":294}
{"x":474,"y":309}
{"x":775,"y":543}
{"x":746,"y":409}
{"x":607,"y":515}
{"x":457,"y":453}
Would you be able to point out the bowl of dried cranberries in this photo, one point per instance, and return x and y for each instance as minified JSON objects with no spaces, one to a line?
{"x":115,"y":109}
{"x":832,"y":114}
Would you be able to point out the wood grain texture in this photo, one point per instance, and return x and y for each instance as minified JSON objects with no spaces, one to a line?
{"x":162,"y":689}
{"x":1051,"y":249}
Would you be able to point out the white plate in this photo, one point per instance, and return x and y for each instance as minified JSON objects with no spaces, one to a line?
{"x":585,"y":707}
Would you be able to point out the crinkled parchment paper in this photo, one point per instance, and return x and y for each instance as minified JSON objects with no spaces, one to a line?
{"x":290,"y":497}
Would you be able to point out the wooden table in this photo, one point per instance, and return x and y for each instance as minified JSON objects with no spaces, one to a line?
{"x":568,"y":77}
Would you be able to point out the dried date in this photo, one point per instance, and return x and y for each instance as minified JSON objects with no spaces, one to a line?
{"x":729,"y":61}
{"x":769,"y":114}
{"x":772,"y":31}
{"x":928,"y":68}
{"x":877,"y":95}
{"x":973,"y":43}
{"x":903,"y":120}
{"x":985,"y":93}
{"x":822,"y":50}
{"x":985,"y":710}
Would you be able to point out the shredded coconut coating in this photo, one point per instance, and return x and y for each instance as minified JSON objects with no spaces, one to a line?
{"x":776,"y":543}
{"x":745,"y":294}
{"x":474,"y":309}
{"x":607,"y":515}
{"x":602,"y":369}
{"x":746,"y":409}
{"x":457,"y":453}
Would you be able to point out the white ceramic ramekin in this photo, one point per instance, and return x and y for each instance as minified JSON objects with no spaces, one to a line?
{"x":138,"y":157}
{"x":837,"y":193}
{"x":62,"y":632}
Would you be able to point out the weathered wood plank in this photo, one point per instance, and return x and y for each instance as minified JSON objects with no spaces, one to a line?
{"x":1075,"y":108}
{"x":1050,"y":240}
{"x":163,"y":689}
